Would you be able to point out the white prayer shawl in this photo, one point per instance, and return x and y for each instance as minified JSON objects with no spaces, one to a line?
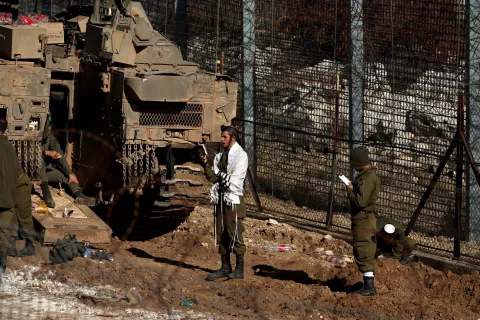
{"x":236,"y":172}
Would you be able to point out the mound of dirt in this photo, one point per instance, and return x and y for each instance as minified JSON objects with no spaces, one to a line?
{"x":169,"y":271}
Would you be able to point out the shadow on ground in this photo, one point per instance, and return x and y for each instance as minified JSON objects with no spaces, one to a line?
{"x":335,"y":284}
{"x":143,"y":254}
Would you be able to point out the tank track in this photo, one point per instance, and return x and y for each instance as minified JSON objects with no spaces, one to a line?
{"x":151,"y":212}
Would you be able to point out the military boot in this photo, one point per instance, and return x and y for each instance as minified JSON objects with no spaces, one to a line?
{"x":82,"y":199}
{"x":47,"y":196}
{"x":12,"y":250}
{"x":28,"y":250}
{"x":238,"y":273}
{"x":368,"y":287}
{"x":224,"y":270}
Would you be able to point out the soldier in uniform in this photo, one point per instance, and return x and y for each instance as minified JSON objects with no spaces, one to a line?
{"x":23,"y":215}
{"x":391,"y":239}
{"x":56,"y":170}
{"x":363,"y":194}
{"x":9,"y":167}
{"x":228,"y":174}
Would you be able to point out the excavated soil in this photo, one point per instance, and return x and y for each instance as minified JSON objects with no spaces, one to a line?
{"x":170,"y":270}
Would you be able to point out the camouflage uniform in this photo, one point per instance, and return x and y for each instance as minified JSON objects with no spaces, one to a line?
{"x":23,"y":207}
{"x":227,"y":217}
{"x":363,"y":196}
{"x":23,"y":216}
{"x":400,"y":245}
{"x":56,"y":171}
{"x":9,"y":167}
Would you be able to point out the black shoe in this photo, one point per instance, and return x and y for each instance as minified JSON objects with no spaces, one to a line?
{"x":47,"y":196}
{"x":368,"y":287}
{"x":78,"y":194}
{"x":13,"y":248}
{"x":239,"y":266}
{"x":224,"y":271}
{"x":82,"y":199}
{"x":28,"y":250}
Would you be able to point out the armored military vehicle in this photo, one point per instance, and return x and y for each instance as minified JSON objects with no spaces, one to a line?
{"x":24,"y":92}
{"x":131,"y":113}
{"x":145,"y":110}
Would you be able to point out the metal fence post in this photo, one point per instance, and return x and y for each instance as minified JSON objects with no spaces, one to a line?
{"x":329,"y":220}
{"x":356,"y":132}
{"x":473,"y":114}
{"x":47,"y":7}
{"x":248,"y":103}
{"x":181,"y":26}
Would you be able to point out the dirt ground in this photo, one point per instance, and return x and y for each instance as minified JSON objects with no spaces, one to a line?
{"x":165,"y":272}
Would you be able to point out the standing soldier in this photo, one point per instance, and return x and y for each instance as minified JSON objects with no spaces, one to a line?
{"x":9,"y":168}
{"x":228,"y":174}
{"x":363,"y":195}
{"x":23,"y":214}
{"x":391,"y":239}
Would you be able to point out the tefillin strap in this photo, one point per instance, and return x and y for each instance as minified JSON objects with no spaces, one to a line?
{"x":223,"y":180}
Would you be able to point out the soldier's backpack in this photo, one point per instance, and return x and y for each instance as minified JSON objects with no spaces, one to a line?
{"x":66,"y":250}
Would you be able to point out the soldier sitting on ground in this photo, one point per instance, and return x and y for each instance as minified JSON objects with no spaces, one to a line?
{"x":392,"y":241}
{"x":57,"y":171}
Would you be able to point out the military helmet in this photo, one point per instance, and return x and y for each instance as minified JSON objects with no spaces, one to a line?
{"x":359,"y":156}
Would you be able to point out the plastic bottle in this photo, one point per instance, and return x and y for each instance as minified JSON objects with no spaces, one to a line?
{"x":337,"y":261}
{"x":61,"y":191}
{"x":280,"y":247}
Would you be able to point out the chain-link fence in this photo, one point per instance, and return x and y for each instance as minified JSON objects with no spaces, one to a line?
{"x":414,"y":73}
{"x":319,"y":77}
{"x":388,"y":74}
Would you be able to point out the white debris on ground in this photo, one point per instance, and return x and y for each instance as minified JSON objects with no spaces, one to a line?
{"x":26,"y":296}
{"x":272,"y":222}
{"x":327,"y":237}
